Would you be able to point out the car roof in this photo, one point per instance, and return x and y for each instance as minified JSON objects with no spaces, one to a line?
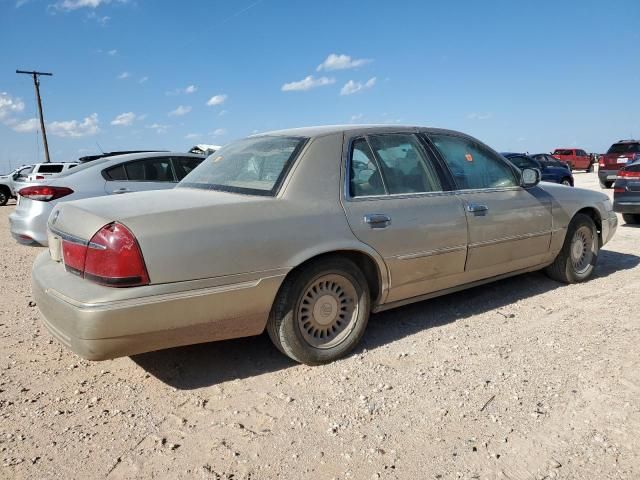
{"x":320,"y":131}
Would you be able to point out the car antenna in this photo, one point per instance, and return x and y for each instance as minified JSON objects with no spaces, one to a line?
{"x":99,"y":147}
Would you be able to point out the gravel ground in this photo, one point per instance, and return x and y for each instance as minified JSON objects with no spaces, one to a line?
{"x":521,"y":379}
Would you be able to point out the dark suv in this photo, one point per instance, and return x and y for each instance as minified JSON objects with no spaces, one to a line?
{"x":551,"y":169}
{"x":620,"y":153}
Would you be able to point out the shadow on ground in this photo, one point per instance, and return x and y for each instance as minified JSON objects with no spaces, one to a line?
{"x":209,"y":364}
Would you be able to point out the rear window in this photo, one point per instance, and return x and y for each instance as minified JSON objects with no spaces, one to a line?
{"x":563,"y":152}
{"x":624,"y":148}
{"x":50,"y":168}
{"x":255,"y":166}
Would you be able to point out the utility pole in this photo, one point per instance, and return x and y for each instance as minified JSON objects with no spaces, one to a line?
{"x":36,"y":82}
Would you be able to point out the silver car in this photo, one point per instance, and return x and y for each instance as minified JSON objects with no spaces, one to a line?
{"x":113,"y":175}
{"x":303,"y":233}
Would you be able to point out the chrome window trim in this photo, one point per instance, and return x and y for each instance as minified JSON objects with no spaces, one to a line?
{"x":77,"y":240}
{"x":430,"y":253}
{"x":511,"y":238}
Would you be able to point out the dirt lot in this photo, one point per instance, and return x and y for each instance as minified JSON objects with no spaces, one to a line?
{"x":521,"y":379}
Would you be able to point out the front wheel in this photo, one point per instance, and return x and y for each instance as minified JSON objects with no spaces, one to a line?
{"x":577,"y":259}
{"x":567,"y":182}
{"x":631,"y":218}
{"x":321,"y":311}
{"x":4,"y":197}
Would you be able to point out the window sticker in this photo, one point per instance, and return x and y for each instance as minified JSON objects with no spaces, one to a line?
{"x":468,"y":157}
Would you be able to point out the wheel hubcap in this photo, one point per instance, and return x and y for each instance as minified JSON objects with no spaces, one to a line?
{"x":328,"y":311}
{"x":582,"y":249}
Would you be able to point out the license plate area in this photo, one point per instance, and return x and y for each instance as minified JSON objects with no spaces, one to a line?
{"x":622,"y":160}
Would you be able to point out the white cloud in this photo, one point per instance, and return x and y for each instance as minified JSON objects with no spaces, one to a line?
{"x":352,"y":87}
{"x":26,"y":126}
{"x":218,"y":132}
{"x":69,"y":5}
{"x":217,"y":100}
{"x":102,"y":20}
{"x":143,"y":79}
{"x":191,"y":136}
{"x":9,"y":105}
{"x":307,"y":83}
{"x":190,"y":89}
{"x":124,"y":76}
{"x":180,"y":111}
{"x":341,"y":62}
{"x":355,"y":118}
{"x":124,"y":119}
{"x":112,"y":53}
{"x":158,"y":127}
{"x":75,"y":128}
{"x":222,"y":113}
{"x":479,"y":116}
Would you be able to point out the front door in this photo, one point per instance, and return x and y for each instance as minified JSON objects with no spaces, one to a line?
{"x":509,"y":226}
{"x":398,"y":204}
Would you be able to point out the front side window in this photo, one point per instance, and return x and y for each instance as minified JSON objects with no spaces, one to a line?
{"x":150,"y":170}
{"x":405,"y":166}
{"x":472,"y":165}
{"x":364,"y":176}
{"x":50,"y":168}
{"x":255,"y":166}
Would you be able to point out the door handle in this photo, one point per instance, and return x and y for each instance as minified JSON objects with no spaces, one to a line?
{"x":477,"y":209}
{"x":377,"y":220}
{"x":121,"y":190}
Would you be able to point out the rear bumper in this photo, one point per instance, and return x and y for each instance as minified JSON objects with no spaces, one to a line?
{"x":624,"y":205}
{"x":607,"y":175}
{"x":29,"y":225}
{"x":139,"y":321}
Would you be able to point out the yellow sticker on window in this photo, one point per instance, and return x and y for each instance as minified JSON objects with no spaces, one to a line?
{"x":469,"y":157}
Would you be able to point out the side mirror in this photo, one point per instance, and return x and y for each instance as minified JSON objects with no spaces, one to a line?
{"x":530,"y":177}
{"x":16,"y":176}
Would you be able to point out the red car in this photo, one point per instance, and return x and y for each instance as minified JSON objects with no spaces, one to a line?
{"x":576,"y":158}
{"x":620,"y":153}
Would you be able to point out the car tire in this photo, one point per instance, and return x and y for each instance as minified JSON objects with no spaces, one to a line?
{"x":4,"y":197}
{"x":606,"y":185}
{"x":320,"y":312}
{"x":577,"y":259}
{"x":631,"y":218}
{"x":567,"y":182}
{"x":589,"y":169}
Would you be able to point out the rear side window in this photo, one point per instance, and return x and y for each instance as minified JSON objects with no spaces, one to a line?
{"x":405,"y":167}
{"x":50,"y":168}
{"x":364,"y":176}
{"x":115,"y":173}
{"x":150,"y":170}
{"x":621,"y":148}
{"x":184,"y":165}
{"x":472,"y":165}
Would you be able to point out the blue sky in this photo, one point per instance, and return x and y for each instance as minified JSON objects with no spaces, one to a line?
{"x":129,"y":74}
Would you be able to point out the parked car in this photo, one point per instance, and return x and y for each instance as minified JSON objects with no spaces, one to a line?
{"x":42,"y":171}
{"x":555,"y":172}
{"x":107,"y":176}
{"x":577,"y":158}
{"x":91,"y":158}
{"x":551,"y":161}
{"x":626,"y":192}
{"x":8,"y":183}
{"x":617,"y":156}
{"x":303,"y":233}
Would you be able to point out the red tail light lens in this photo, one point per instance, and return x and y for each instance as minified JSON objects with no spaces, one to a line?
{"x":44,"y":193}
{"x":112,"y":257}
{"x":629,"y":174}
{"x":619,"y":190}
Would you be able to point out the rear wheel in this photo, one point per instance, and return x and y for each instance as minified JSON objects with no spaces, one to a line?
{"x":631,"y":218}
{"x":579,"y":254}
{"x":566,"y":181}
{"x":321,"y":311}
{"x":606,"y":184}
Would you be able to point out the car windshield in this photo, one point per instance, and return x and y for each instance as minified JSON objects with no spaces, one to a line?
{"x":255,"y":166}
{"x":522,"y":162}
{"x":625,"y":148}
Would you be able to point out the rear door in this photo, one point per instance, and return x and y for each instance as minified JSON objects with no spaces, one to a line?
{"x":154,"y":173}
{"x":509,"y":226}
{"x":397,"y":202}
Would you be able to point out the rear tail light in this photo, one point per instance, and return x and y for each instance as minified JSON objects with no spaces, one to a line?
{"x":44,"y":193}
{"x":629,"y":174}
{"x":619,"y":190}
{"x":601,"y":162}
{"x":112,"y":257}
